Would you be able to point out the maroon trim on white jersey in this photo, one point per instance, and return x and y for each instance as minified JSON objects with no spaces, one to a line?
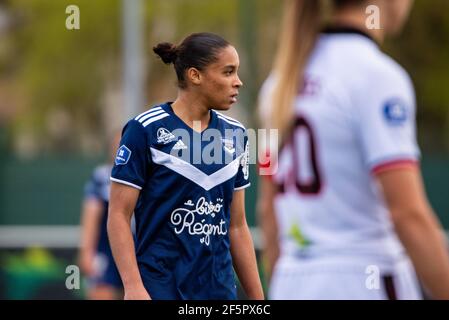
{"x":394,"y":164}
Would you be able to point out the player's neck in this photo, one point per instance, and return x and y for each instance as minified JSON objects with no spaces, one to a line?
{"x":357,"y":19}
{"x":190,"y":108}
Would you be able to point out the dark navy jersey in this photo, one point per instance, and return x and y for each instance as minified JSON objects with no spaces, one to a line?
{"x":98,"y":188}
{"x":105,"y":269}
{"x":187,"y":180}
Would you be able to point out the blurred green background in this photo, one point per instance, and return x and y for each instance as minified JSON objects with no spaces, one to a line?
{"x":61,"y":92}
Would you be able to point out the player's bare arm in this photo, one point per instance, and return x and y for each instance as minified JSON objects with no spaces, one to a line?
{"x":121,"y":207}
{"x":268,"y":223}
{"x":91,"y":217}
{"x":417,"y":228}
{"x":242,"y":249}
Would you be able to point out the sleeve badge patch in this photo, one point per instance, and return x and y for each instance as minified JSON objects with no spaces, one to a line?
{"x":395,"y":112}
{"x":123,"y":155}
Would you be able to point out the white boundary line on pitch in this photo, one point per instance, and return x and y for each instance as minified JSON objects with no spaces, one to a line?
{"x":59,"y":236}
{"x":68,"y":236}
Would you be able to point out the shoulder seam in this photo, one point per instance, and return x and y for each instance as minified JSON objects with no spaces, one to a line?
{"x":154,"y":119}
{"x":147,"y":111}
{"x":147,"y":120}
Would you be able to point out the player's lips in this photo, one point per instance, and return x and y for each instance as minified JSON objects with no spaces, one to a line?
{"x":234,"y":97}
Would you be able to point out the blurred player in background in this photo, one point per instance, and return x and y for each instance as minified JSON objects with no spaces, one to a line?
{"x":96,"y":261}
{"x":346,"y":216}
{"x":190,"y":213}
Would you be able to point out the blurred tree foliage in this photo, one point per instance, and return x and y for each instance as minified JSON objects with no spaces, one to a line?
{"x":54,"y":69}
{"x":57,"y":69}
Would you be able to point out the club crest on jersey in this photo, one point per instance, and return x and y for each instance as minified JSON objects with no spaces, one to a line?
{"x":228,"y":145}
{"x":164,"y":136}
{"x":123,"y":155}
{"x":395,"y":112}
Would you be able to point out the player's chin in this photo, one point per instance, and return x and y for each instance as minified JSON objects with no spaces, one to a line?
{"x":226,"y":104}
{"x":223,"y":106}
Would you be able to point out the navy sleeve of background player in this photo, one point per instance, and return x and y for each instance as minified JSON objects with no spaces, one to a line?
{"x":92,"y":188}
{"x":132,"y":160}
{"x":242,"y":180}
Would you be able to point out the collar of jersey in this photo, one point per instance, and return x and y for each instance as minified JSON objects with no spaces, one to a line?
{"x":341,"y":29}
{"x":168,"y":108}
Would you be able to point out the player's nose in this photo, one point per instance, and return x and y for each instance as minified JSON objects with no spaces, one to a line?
{"x":238,"y":83}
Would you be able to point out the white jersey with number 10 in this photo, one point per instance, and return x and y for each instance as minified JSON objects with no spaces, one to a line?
{"x":354,"y":118}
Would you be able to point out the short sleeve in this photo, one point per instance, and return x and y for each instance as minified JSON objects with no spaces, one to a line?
{"x":132,"y":158}
{"x":386,"y":120}
{"x":92,"y":189}
{"x":242,"y":180}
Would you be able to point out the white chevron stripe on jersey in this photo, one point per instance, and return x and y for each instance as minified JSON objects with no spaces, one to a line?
{"x":150,"y":115}
{"x":148,"y":111}
{"x":194,"y":174}
{"x":156,"y":118}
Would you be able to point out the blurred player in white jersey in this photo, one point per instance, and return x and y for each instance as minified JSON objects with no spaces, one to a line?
{"x":345,"y":215}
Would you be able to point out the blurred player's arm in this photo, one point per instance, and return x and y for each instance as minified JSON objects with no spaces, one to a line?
{"x":242,"y":249}
{"x":417,"y":227}
{"x":122,"y":202}
{"x":267,"y":222}
{"x":90,"y":224}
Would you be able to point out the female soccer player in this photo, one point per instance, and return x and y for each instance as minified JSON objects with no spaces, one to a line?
{"x":189,"y":203}
{"x":96,"y":261}
{"x":346,"y":216}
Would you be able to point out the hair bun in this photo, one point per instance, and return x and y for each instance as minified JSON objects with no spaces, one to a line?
{"x":167,"y":51}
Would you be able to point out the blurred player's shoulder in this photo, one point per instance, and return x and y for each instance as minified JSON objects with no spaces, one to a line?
{"x":355,"y":55}
{"x":264,"y":100}
{"x":355,"y":69}
{"x":102,"y":172}
{"x":383,"y":69}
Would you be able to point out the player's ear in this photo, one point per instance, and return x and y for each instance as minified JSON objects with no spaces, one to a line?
{"x":194,"y":75}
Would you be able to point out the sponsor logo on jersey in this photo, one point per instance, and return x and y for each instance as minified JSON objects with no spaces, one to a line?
{"x":179,"y":145}
{"x":123,"y":155}
{"x":199,"y":220}
{"x":395,"y":112}
{"x":164,"y":136}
